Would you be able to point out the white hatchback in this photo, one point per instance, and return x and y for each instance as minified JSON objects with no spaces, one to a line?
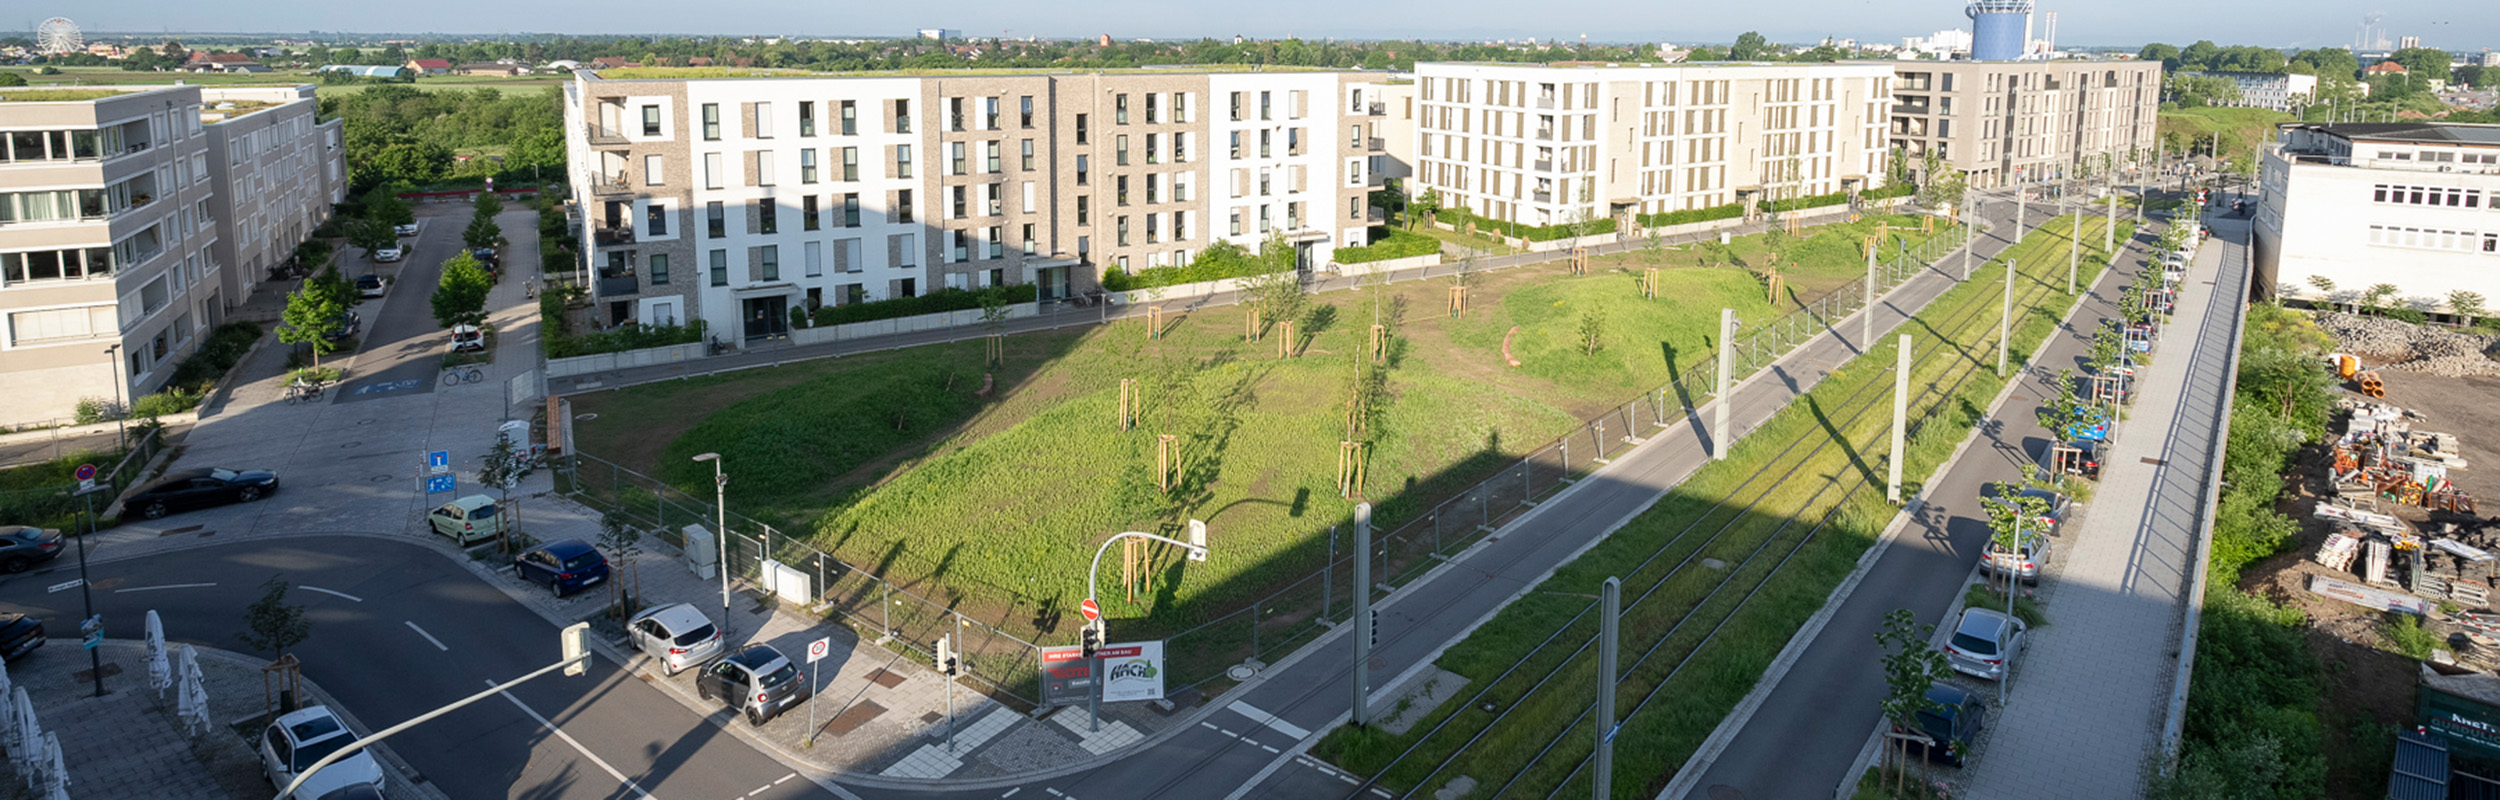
{"x":297,"y":741}
{"x":676,"y":635}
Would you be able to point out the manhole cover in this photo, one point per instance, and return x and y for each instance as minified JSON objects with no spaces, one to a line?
{"x":380,"y":479}
{"x":347,"y":445}
{"x":1725,"y":792}
{"x":1241,"y":672}
{"x":586,"y":417}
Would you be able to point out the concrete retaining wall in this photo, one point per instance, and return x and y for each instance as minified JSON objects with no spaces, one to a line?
{"x":604,"y":362}
{"x":913,"y":324}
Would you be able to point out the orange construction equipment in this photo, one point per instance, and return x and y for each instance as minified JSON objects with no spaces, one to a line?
{"x":2345,"y":365}
{"x":2370,"y":383}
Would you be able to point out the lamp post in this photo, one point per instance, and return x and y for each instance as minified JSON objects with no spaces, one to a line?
{"x":1197,"y":549}
{"x":113,"y":360}
{"x":720,"y":533}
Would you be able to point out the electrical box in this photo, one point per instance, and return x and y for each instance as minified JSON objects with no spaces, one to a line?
{"x":787,"y":582}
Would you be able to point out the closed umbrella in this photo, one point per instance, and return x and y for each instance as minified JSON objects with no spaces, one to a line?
{"x":29,"y":734}
{"x":8,"y":714}
{"x":55,"y":775}
{"x":192,"y":698}
{"x":160,"y":675}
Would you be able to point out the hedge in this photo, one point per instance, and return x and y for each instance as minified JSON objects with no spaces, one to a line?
{"x":1692,"y":215}
{"x":1888,"y":191}
{"x":939,"y":301}
{"x":1388,"y":244}
{"x":1219,"y":261}
{"x":1459,"y":217}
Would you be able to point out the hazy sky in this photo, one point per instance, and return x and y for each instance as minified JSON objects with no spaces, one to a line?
{"x":2453,"y":24}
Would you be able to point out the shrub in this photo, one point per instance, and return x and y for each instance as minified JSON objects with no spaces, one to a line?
{"x":224,"y":348}
{"x":173,"y":400}
{"x":91,"y":410}
{"x":2405,"y":314}
{"x":1692,"y":215}
{"x":1219,"y":261}
{"x":1459,"y":217}
{"x":1388,"y":244}
{"x":938,"y":301}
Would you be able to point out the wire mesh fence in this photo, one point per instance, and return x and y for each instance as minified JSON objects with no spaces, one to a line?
{"x":58,"y":504}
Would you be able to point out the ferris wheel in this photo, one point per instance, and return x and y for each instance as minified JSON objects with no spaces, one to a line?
{"x":58,"y":35}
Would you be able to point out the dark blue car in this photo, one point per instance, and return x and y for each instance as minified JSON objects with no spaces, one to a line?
{"x":564,"y":566}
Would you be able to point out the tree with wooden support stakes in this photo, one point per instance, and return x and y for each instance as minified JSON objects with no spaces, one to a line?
{"x":1911,"y":666}
{"x":1126,"y":415}
{"x":1167,"y":462}
{"x":1350,"y":463}
{"x":1579,"y":260}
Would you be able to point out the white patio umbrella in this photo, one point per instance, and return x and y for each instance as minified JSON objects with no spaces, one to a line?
{"x":160,"y":675}
{"x":29,"y":734}
{"x":55,"y":774}
{"x":192,"y":698}
{"x":8,"y":714}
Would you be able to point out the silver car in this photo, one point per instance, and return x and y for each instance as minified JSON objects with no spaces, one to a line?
{"x":676,"y":635}
{"x":1985,"y":643}
{"x":2024,"y":562}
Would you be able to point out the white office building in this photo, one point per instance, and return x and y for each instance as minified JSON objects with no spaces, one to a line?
{"x":2411,"y":204}
{"x":2278,"y":91}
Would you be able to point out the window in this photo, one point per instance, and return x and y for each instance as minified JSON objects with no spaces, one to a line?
{"x":655,"y":219}
{"x":994,"y":243}
{"x":652,"y":171}
{"x":989,"y":113}
{"x":959,"y":246}
{"x":767,"y":216}
{"x":814,"y":253}
{"x":1151,"y":158}
{"x":1152,"y":235}
{"x":659,"y":269}
{"x":1152,"y":181}
{"x":768,"y":262}
{"x":720,"y":268}
{"x":1028,"y":197}
{"x":961,"y":207}
{"x":1025,"y":110}
{"x":807,"y":117}
{"x":989,"y":152}
{"x":850,"y":210}
{"x":990,"y":201}
{"x":1236,"y":137}
{"x":763,"y":120}
{"x":1081,"y":208}
{"x":1028,"y":155}
{"x":807,"y":165}
{"x":1180,"y":147}
{"x":808,"y":213}
{"x":902,"y":161}
{"x":711,"y":170}
{"x":902,"y":116}
{"x":1121,"y":190}
{"x":55,"y":265}
{"x":650,"y":120}
{"x":1265,"y":138}
{"x":1236,"y":107}
{"x":850,"y":118}
{"x":763,"y":167}
{"x":1080,"y":129}
{"x":1081,"y":173}
{"x":716,"y":219}
{"x":1123,"y":237}
{"x":1150,"y":108}
{"x":1264,"y":106}
{"x":29,"y":327}
{"x":902,"y":206}
{"x":1119,"y":149}
{"x":954,"y":113}
{"x":711,"y":122}
{"x":954,"y":158}
{"x":850,"y":163}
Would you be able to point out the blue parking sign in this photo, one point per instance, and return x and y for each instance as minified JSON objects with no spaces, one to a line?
{"x":438,"y":484}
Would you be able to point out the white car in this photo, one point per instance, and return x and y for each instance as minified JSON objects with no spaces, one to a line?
{"x":409,"y":229}
{"x":1985,"y":643}
{"x":676,"y":635}
{"x":372,"y":286}
{"x":392,"y":253}
{"x":467,"y":339}
{"x":298,"y":740}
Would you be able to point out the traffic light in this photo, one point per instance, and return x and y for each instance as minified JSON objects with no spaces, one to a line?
{"x":1093,"y":639}
{"x":577,"y":648}
{"x":1375,"y":627}
{"x":944,"y":661}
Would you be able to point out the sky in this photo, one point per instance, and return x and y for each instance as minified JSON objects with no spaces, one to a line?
{"x":2453,"y":24}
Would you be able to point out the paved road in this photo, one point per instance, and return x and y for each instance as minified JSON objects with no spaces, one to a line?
{"x":402,"y":348}
{"x":1806,"y":735}
{"x":379,"y":610}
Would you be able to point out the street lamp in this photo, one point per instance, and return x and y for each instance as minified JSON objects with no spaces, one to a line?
{"x":1197,"y":547}
{"x":720,"y":507}
{"x":113,"y":359}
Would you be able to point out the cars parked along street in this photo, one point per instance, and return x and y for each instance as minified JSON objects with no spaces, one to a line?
{"x":756,"y":681}
{"x":676,"y":635}
{"x":404,"y":229}
{"x":564,"y":565}
{"x":1951,"y":724}
{"x":24,"y":546}
{"x":19,"y":635}
{"x":372,"y":285}
{"x":1985,"y":643}
{"x":300,"y":739}
{"x":201,"y":488}
{"x":389,"y":254}
{"x":467,"y":520}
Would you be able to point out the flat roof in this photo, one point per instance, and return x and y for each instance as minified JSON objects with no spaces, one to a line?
{"x":22,"y":94}
{"x":716,"y":72}
{"x":2412,"y":132}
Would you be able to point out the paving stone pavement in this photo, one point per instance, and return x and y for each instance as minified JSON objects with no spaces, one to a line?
{"x":2088,"y":700}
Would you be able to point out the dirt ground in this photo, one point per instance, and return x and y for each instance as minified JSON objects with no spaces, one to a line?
{"x":2371,"y":687}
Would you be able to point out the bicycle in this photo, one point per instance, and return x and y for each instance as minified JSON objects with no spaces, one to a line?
{"x":302,"y":392}
{"x":455,"y":377}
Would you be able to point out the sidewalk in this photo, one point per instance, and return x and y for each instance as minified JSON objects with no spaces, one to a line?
{"x":2087,"y":704}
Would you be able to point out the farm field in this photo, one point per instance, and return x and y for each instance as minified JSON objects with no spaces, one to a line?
{"x":899,"y":461}
{"x":1722,"y":571}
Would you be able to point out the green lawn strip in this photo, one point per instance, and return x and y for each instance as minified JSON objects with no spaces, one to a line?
{"x":1829,"y":555}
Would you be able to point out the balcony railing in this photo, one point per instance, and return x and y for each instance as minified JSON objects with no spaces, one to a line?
{"x":601,"y":134}
{"x":1545,"y":135}
{"x":609,"y":183}
{"x":1545,"y":165}
{"x":618,"y":286}
{"x":1542,"y":197}
{"x":1545,"y":102}
{"x":1909,"y":109}
{"x":605,"y":235}
{"x":1376,"y":109}
{"x":1376,"y":144}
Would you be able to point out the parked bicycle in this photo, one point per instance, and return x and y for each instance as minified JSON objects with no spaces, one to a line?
{"x":302,"y":391}
{"x":455,"y":377}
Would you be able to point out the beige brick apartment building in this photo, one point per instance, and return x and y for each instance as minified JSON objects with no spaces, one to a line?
{"x":1991,"y":118}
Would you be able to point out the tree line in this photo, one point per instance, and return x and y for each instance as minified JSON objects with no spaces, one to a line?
{"x":403,"y":134}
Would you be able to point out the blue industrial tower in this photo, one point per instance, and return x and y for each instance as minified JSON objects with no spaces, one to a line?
{"x":2000,"y":29}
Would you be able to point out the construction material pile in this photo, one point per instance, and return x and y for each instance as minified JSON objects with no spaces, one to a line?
{"x":2396,"y":344}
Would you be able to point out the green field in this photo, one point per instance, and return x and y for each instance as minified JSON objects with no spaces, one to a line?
{"x":114,"y":76}
{"x":2242,"y":129}
{"x":895,"y":461}
{"x":1784,"y":519}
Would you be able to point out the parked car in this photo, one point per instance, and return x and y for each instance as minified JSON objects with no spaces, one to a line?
{"x":19,"y":635}
{"x":676,"y":635}
{"x":564,"y":565}
{"x":1952,"y":724}
{"x":349,"y":324}
{"x":388,"y":254}
{"x":24,"y":546}
{"x":2092,"y":424}
{"x":201,"y":488}
{"x":372,"y":285}
{"x":467,"y":339}
{"x":361,"y":791}
{"x":2023,"y":562}
{"x":756,"y":681}
{"x":2088,"y":459}
{"x":1984,"y":644}
{"x":469,"y":519}
{"x":298,"y":740}
{"x":404,"y":229}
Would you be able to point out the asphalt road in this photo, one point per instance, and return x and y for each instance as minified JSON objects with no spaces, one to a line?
{"x":402,"y":348}
{"x":1802,"y":740}
{"x":399,"y":630}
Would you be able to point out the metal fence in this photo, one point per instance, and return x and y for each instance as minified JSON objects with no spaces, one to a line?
{"x":58,"y":504}
{"x":1009,"y":665}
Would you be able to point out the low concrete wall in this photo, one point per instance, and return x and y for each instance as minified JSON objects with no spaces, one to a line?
{"x":913,"y":324}
{"x":604,"y":362}
{"x":1410,"y":262}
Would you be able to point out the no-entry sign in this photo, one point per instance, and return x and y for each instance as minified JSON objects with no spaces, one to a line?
{"x":1093,"y":610}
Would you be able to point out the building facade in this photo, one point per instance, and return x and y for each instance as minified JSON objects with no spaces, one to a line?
{"x":734,"y":201}
{"x":1549,"y":145}
{"x":278,"y":170}
{"x":2000,"y":121}
{"x":2278,"y":91}
{"x":2415,"y":205}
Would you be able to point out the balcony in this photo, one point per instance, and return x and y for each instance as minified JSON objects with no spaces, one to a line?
{"x":1374,"y":216}
{"x":1542,"y":197}
{"x":602,"y":134}
{"x":1375,"y":109}
{"x":1376,"y":144}
{"x":1545,"y":135}
{"x":609,"y":183}
{"x":607,"y":235}
{"x":1545,"y":165}
{"x":1545,"y":102}
{"x":618,"y":284}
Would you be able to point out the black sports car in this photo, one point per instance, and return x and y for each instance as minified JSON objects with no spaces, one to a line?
{"x":201,"y":488}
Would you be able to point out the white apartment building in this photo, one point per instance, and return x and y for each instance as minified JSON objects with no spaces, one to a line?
{"x":733,"y":201}
{"x":281,"y":172}
{"x":1548,"y":145}
{"x":2279,"y":91}
{"x":2003,"y":121}
{"x":2412,"y":204}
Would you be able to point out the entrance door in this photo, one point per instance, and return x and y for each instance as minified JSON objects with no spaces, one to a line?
{"x":1302,"y":255}
{"x":767,"y":317}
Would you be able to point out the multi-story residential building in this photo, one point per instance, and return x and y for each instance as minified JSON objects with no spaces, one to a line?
{"x":2279,"y":91}
{"x":1999,"y":121}
{"x":2415,"y":205}
{"x":1553,"y":144}
{"x":734,"y":200}
{"x":278,"y":171}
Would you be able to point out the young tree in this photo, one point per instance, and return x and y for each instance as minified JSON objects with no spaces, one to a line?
{"x":1425,"y":206}
{"x":370,"y":234}
{"x":503,"y":468}
{"x":2065,"y":411}
{"x":482,"y":232}
{"x":1592,"y":331}
{"x":2325,"y":287}
{"x":272,"y":624}
{"x":460,"y":299}
{"x":1911,"y":666}
{"x":2010,"y":520}
{"x":312,"y":313}
{"x":2466,"y":305}
{"x":622,"y":543}
{"x":383,"y":204}
{"x":488,"y":204}
{"x":2107,"y":347}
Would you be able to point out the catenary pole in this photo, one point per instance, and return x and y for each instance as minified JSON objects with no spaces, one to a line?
{"x":1720,"y":436}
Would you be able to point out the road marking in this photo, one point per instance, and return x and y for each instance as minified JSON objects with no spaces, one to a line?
{"x":1290,"y":730}
{"x":1053,"y":792}
{"x":760,"y":790}
{"x":1010,"y":793}
{"x":333,"y":593}
{"x":1376,"y":790}
{"x":1262,"y":747}
{"x":429,"y":638}
{"x":785,"y":779}
{"x":166,"y":586}
{"x":577,"y":745}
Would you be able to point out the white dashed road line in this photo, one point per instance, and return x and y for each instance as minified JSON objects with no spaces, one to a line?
{"x":1010,"y":793}
{"x":166,"y":586}
{"x":332,"y":593}
{"x":429,"y":638}
{"x":577,"y":745}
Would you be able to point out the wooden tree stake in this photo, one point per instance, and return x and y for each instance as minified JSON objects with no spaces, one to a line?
{"x":1126,"y":416}
{"x":1458,"y":302}
{"x":1154,"y":322}
{"x":1649,"y":284}
{"x":1284,"y":339}
{"x":1579,"y":261}
{"x":1775,"y":283}
{"x":998,"y":349}
{"x":1380,"y":343}
{"x":1349,"y":469}
{"x":1250,"y":327}
{"x":1167,"y":461}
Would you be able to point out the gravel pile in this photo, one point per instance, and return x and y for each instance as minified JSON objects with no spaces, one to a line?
{"x":2399,"y":345}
